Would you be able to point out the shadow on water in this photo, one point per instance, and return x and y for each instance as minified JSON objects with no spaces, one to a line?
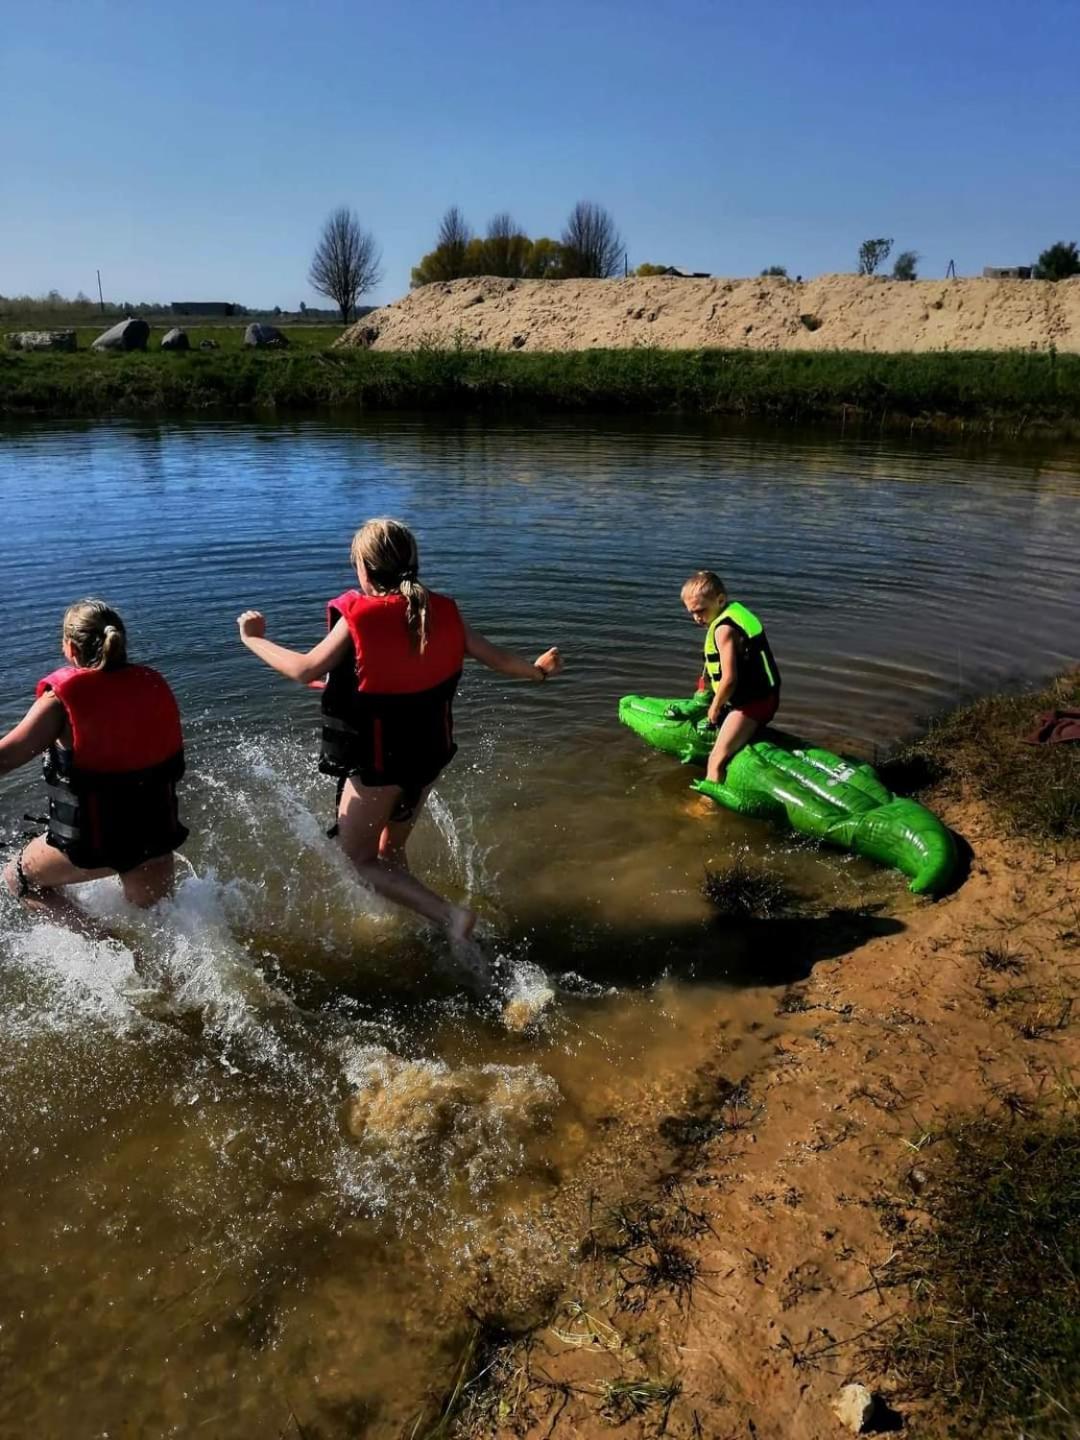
{"x":743,"y":953}
{"x":740,"y":953}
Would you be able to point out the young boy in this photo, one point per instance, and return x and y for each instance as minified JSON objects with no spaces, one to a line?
{"x":740,"y":670}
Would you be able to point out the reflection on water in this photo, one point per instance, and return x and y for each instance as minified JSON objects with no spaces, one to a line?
{"x":264,"y":1169}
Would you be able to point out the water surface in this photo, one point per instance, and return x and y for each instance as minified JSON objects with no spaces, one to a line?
{"x":266,"y":1174}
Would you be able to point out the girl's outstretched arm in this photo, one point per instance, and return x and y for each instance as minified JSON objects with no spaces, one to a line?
{"x":507,"y":663}
{"x":40,"y":727}
{"x":302,"y":668}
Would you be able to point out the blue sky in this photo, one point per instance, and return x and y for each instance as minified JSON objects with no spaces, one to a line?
{"x":192,"y":150}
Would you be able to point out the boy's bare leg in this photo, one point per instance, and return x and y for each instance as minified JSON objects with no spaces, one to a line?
{"x":736,"y":730}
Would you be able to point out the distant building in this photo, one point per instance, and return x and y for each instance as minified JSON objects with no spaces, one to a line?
{"x":204,"y":307}
{"x":685,"y":274}
{"x":1006,"y":272}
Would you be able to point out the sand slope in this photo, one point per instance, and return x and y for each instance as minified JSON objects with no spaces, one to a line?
{"x":845,"y":312}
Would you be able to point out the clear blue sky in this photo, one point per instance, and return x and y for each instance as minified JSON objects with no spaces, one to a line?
{"x":193,"y":149}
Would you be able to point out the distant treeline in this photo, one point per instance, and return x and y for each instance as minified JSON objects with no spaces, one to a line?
{"x":55,"y":310}
{"x":590,"y":247}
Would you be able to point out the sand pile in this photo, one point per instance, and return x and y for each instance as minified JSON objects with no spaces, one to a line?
{"x":834,"y":312}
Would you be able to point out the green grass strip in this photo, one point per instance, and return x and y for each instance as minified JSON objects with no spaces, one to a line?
{"x":1009,"y":391}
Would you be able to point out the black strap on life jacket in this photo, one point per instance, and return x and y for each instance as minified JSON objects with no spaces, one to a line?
{"x":87,"y":810}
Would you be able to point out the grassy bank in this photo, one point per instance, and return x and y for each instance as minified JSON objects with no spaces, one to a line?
{"x":978,"y":749}
{"x":994,"y":1332}
{"x":1006,"y":393}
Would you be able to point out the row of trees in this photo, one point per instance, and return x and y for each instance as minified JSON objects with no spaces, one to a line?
{"x":1057,"y":262}
{"x":590,"y":247}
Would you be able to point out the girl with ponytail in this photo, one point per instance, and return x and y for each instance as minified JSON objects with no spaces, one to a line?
{"x":392,"y":658}
{"x":110,"y":732}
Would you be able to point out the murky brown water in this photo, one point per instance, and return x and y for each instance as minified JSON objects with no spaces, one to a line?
{"x":264,"y":1177}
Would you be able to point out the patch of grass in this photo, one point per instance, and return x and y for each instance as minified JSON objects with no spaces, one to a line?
{"x":1007,"y":392}
{"x":740,"y":892}
{"x":995,"y":1277}
{"x":978,"y":748}
{"x":1001,"y":960}
{"x":646,"y":1242}
{"x":623,"y":1399}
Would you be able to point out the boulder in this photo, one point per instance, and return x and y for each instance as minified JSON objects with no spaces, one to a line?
{"x":175,"y":339}
{"x":853,"y":1407}
{"x":41,"y":340}
{"x":208,"y":345}
{"x":263,"y":336}
{"x":130,"y":334}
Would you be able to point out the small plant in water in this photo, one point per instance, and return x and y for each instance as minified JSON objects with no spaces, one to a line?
{"x":739,"y":892}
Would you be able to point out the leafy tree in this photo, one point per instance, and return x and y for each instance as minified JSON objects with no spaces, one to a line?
{"x":592,"y":245}
{"x":506,"y":248}
{"x":346,"y":262}
{"x":873,"y":253}
{"x":905,"y":267}
{"x":1058,"y":262}
{"x":778,"y":270}
{"x":545,"y":259}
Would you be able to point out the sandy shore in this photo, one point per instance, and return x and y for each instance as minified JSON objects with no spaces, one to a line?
{"x":779,"y":1218}
{"x":845,"y":312}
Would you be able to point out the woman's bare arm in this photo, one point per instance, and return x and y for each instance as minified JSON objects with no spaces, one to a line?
{"x":303,"y":668}
{"x":507,"y":663}
{"x":40,"y":727}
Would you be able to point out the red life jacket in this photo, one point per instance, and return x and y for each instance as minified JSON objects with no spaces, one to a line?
{"x":121,"y":720}
{"x":387,"y":715}
{"x":112,"y":792}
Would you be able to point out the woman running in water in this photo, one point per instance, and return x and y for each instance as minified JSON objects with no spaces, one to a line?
{"x":392,"y":657}
{"x":114,"y":751}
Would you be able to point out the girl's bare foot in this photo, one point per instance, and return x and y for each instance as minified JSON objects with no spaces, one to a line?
{"x":461,"y":924}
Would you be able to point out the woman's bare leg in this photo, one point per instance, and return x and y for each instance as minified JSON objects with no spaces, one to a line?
{"x":736,"y":730}
{"x":150,"y":882}
{"x":395,"y":835}
{"x":363,"y":818}
{"x":45,"y":868}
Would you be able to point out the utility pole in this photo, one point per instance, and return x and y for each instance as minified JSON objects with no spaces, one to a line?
{"x":101,"y":301}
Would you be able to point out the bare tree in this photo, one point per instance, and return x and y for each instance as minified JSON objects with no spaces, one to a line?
{"x":455,"y":232}
{"x":592,"y":246}
{"x":347,"y":261}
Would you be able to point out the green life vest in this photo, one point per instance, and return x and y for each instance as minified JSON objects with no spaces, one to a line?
{"x":757,"y":674}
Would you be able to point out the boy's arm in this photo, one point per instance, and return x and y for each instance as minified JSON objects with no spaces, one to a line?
{"x":729,"y":674}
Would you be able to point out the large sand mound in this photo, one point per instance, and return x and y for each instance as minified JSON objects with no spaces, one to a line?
{"x":835,"y":312}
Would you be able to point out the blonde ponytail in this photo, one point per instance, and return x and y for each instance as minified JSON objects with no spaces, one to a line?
{"x":418,"y":611}
{"x":387,"y":550}
{"x":96,"y":635}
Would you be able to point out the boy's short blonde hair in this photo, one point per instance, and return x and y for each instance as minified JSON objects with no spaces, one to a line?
{"x":705,"y":583}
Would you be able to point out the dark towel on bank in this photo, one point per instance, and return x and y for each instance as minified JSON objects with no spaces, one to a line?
{"x":1055,"y":727}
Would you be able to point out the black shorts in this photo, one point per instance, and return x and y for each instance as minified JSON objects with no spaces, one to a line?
{"x":120,"y":855}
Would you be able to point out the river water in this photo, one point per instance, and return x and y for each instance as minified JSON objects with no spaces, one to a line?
{"x":258,"y":1182}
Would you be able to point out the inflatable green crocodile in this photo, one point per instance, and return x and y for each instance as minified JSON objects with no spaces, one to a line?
{"x":837,"y":801}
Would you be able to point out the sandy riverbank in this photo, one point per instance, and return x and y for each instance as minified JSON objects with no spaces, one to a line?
{"x":845,"y":312}
{"x":736,"y":1296}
